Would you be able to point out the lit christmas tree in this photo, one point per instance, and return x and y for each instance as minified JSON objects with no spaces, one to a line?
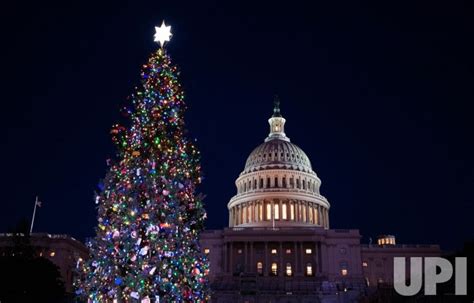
{"x":149,"y":217}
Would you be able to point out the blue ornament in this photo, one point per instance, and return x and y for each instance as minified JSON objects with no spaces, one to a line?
{"x":118,"y":281}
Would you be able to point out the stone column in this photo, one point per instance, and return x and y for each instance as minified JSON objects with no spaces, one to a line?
{"x":302,"y":258}
{"x":320,"y":260}
{"x":324,"y":259}
{"x":316,"y":256}
{"x":280,"y":257}
{"x":307,"y":212}
{"x":327,"y":219}
{"x":257,"y":211}
{"x":280,"y":209}
{"x":252,"y":261}
{"x":264,"y":210}
{"x":297,"y":211}
{"x":245,"y":257}
{"x":252,"y":219}
{"x":323,"y":216}
{"x":237,"y":215}
{"x":231,"y":265}
{"x":295,"y":253}
{"x":265,"y":265}
{"x":315,"y":214}
{"x":225,"y":257}
{"x":323,"y":221}
{"x":320,"y":215}
{"x":272,"y":210}
{"x":246,"y":212}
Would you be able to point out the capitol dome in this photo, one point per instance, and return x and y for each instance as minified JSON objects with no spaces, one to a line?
{"x":278,"y":186}
{"x":277,"y":154}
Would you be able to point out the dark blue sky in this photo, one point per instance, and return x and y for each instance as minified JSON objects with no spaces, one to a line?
{"x":378,"y":95}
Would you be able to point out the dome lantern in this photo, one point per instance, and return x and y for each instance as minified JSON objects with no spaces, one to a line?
{"x":277,"y":123}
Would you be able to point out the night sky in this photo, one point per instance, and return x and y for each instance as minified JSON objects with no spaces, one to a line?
{"x":378,"y":95}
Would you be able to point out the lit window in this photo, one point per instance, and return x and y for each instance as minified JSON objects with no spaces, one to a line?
{"x":310,"y":214}
{"x":288,"y":251}
{"x":309,"y":251}
{"x":292,"y":212}
{"x":269,"y":212}
{"x":364,"y":264}
{"x":260,"y":268}
{"x":274,"y":251}
{"x":207,"y":251}
{"x":274,"y":269}
{"x":260,"y":212}
{"x":52,"y":254}
{"x":309,"y":269}
{"x":344,"y":272}
{"x":283,"y":212}
{"x":239,"y":251}
{"x":244,"y":214}
{"x":249,"y":213}
{"x":277,"y":211}
{"x":288,"y":270}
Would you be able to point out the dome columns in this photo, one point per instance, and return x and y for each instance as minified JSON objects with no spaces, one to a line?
{"x":281,"y":212}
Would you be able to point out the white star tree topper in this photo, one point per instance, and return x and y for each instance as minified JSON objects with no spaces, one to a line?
{"x":163,"y":34}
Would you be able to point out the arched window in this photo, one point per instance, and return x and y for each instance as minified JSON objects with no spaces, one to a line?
{"x":283,"y":212}
{"x":292,"y":211}
{"x":260,"y":268}
{"x":276,"y":182}
{"x":268,"y":216}
{"x":260,"y":212}
{"x":283,"y":182}
{"x":292,"y":182}
{"x":274,"y":269}
{"x":298,"y":183}
{"x":254,"y":183}
{"x":310,"y":214}
{"x":261,"y":183}
{"x":288,"y":270}
{"x":277,"y":211}
{"x":268,"y":182}
{"x":309,"y":269}
{"x":304,"y":212}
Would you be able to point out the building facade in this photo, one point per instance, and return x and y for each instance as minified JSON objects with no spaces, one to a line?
{"x":64,"y":251}
{"x":279,"y":246}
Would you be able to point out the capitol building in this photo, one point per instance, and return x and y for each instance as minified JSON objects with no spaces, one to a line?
{"x":279,"y":246}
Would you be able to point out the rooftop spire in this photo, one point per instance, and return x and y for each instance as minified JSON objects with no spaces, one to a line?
{"x":276,"y":106}
{"x":277,"y":123}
